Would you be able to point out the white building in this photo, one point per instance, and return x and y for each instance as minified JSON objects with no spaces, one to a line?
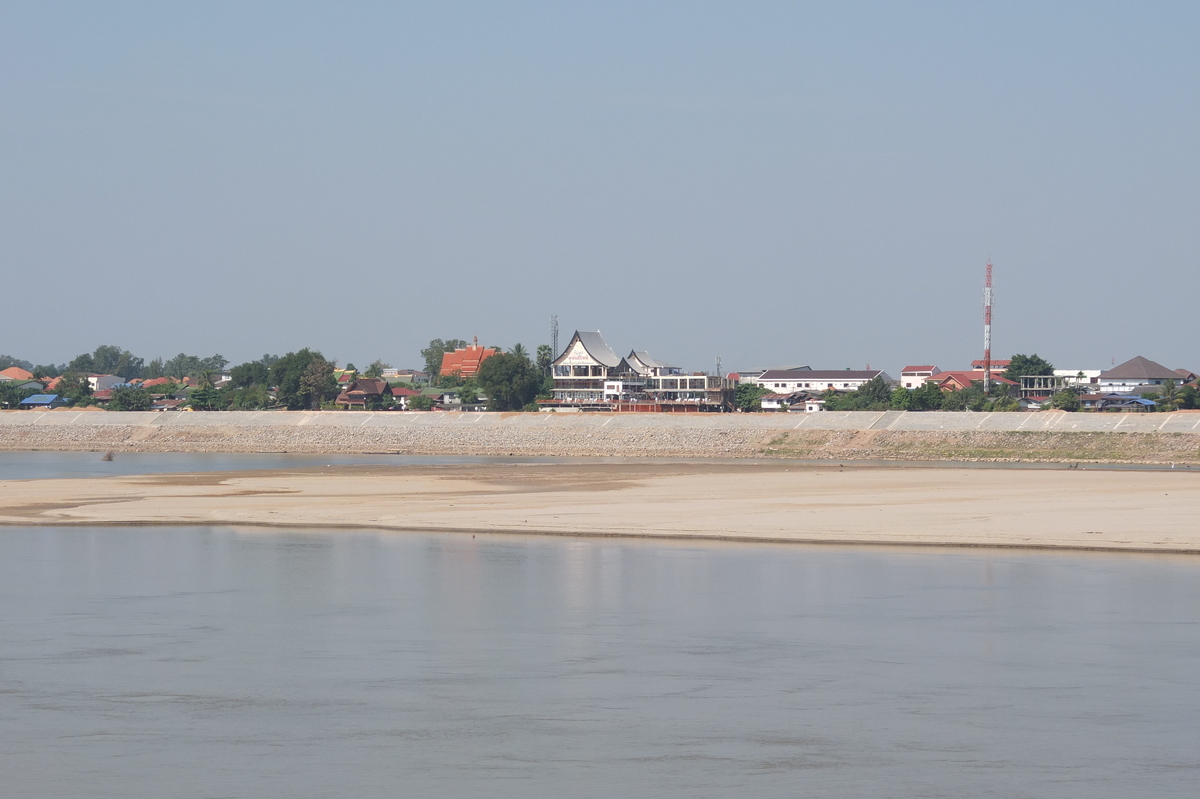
{"x":789,"y":381}
{"x":1078,"y":377}
{"x":915,"y":376}
{"x":583,"y":368}
{"x":104,"y":382}
{"x":589,"y":373}
{"x":1134,"y":376}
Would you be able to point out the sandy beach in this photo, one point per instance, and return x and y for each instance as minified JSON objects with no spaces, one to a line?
{"x":1044,"y":508}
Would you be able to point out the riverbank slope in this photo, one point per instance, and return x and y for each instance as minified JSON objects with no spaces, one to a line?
{"x":891,"y":435}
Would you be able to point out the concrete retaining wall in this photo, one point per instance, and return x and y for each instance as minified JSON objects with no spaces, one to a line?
{"x":1045,"y":421}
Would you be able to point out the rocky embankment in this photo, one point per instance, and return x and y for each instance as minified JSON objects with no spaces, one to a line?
{"x":1153,"y":438}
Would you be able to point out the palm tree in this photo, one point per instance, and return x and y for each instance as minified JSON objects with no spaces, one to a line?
{"x":1169,"y":396}
{"x":545,"y":357}
{"x":519,"y":351}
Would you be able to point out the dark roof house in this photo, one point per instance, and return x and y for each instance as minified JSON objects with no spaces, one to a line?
{"x":363,"y":391}
{"x":1141,"y":369}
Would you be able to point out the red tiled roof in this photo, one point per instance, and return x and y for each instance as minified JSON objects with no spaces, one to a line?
{"x":918,"y":369}
{"x":16,"y":373}
{"x":997,"y":364}
{"x":465,"y":362}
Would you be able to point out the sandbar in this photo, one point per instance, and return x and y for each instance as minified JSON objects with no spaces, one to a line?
{"x":852,"y":503}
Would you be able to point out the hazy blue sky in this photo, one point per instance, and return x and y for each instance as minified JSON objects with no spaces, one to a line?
{"x":816,"y":183}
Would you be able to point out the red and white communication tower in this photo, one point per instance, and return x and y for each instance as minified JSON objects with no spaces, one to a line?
{"x":987,"y":330}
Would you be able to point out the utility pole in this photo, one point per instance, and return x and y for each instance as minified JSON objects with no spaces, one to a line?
{"x":987,"y":330}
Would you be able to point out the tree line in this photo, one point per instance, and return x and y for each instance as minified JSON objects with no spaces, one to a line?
{"x":300,"y":380}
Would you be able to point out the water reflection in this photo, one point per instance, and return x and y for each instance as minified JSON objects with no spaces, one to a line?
{"x":220,"y":662}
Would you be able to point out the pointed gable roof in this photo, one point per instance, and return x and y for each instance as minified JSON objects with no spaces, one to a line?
{"x":1139,"y":368}
{"x":593,"y":343}
{"x":643,"y":357}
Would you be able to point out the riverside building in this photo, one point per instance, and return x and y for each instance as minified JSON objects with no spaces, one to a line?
{"x":590,"y":376}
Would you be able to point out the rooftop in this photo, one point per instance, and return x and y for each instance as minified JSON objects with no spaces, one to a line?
{"x":1139,"y":368}
{"x":821,"y":374}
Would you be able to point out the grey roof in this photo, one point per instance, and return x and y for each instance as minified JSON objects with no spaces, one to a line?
{"x":645,"y":358}
{"x":593,"y":342}
{"x":1139,"y":368}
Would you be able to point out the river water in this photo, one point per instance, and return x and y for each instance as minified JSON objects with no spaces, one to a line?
{"x":220,"y":662}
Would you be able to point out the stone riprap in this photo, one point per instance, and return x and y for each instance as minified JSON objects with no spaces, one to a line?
{"x":1053,"y":436}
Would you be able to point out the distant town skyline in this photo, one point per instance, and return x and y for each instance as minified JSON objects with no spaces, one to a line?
{"x":774,"y":184}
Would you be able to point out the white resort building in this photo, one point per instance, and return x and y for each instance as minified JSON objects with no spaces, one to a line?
{"x":588,"y":375}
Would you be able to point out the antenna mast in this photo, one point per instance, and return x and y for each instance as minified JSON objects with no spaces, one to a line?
{"x":554,"y":336}
{"x":987,"y":330}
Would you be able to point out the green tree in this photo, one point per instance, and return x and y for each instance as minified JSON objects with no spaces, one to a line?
{"x":130,"y":398}
{"x":83,"y":364}
{"x":519,"y":350}
{"x":954,"y":401}
{"x":11,"y":394}
{"x":204,"y":398}
{"x":74,"y":387}
{"x":184,"y":365}
{"x":509,"y":380}
{"x":434,"y":352}
{"x":468,"y":392}
{"x":317,"y":382}
{"x":1171,"y":398}
{"x":420,"y":402}
{"x":1189,"y":398}
{"x":748,"y":396}
{"x":47,"y":370}
{"x":875,"y":394}
{"x":904,"y":399}
{"x":1005,"y":405}
{"x":153,"y":370}
{"x":1065,"y":400}
{"x":927,"y":397}
{"x":251,"y":398}
{"x":248,"y":374}
{"x":1021,"y":365}
{"x":286,"y":373}
{"x":376,"y":368}
{"x":109,"y":359}
{"x":128,"y":366}
{"x":7,"y":360}
{"x":544,"y":358}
